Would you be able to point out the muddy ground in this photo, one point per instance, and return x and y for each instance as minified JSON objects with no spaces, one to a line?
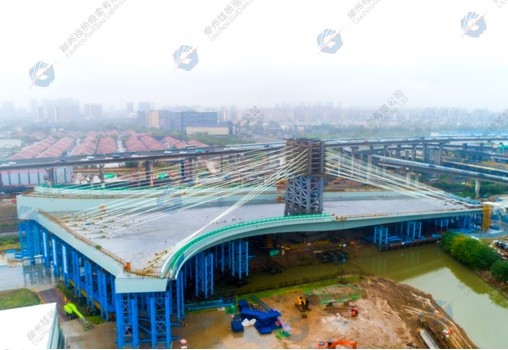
{"x":390,"y":316}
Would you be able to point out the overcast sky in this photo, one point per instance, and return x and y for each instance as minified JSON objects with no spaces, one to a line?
{"x":269,"y":53}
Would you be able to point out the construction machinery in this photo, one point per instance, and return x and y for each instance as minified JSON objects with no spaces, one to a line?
{"x":333,"y":344}
{"x":302,"y":303}
{"x":72,"y":311}
{"x":354,"y":311}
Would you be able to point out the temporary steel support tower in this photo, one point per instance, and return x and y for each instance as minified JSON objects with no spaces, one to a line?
{"x":304,"y":188}
{"x":140,"y":317}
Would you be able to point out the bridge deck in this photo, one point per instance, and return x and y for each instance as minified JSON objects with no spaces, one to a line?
{"x":140,"y":242}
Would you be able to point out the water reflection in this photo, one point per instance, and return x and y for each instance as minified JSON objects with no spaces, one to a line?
{"x":477,"y":307}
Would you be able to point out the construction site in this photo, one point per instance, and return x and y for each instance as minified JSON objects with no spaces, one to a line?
{"x":139,"y":256}
{"x":370,"y":313}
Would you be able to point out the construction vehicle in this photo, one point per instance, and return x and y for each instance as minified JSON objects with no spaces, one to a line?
{"x":302,"y":303}
{"x":72,"y":312}
{"x":354,"y":311}
{"x":338,"y":342}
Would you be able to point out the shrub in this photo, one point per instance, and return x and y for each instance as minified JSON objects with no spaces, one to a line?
{"x":500,"y":270}
{"x":470,"y":251}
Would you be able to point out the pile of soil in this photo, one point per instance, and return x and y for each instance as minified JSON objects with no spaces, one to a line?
{"x":390,"y":315}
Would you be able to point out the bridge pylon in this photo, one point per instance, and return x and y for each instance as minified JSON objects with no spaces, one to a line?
{"x":304,"y":188}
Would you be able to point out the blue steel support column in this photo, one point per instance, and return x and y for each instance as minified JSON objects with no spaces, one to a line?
{"x":208,"y":272}
{"x":159,"y":312}
{"x":241,"y":262}
{"x":37,"y":237}
{"x":103,"y":293}
{"x":121,"y":327}
{"x":152,"y":312}
{"x":65,"y":264}
{"x":33,"y":245}
{"x":110,"y":281}
{"x":167,"y":314}
{"x":380,"y":235}
{"x":203,"y":274}
{"x":127,"y":327}
{"x":232,"y":258}
{"x":223,"y":257}
{"x":89,"y":284}
{"x":246,"y":270}
{"x":22,"y":236}
{"x":177,"y":295}
{"x":197,"y":273}
{"x":45,"y":248}
{"x":56,"y":265}
{"x":180,"y":309}
{"x":134,"y":321}
{"x":75,"y":273}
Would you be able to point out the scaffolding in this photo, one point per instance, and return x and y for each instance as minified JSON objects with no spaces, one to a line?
{"x":304,"y":189}
{"x":140,"y":317}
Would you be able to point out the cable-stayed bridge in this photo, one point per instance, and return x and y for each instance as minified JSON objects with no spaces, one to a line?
{"x":131,"y":250}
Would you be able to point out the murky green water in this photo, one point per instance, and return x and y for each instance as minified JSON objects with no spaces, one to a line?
{"x":478,"y":308}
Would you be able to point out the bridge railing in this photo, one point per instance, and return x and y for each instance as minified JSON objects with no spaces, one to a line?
{"x":193,"y":244}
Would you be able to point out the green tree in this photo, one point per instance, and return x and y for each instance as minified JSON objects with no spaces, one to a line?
{"x":485,"y":257}
{"x":447,"y":240}
{"x":500,"y":270}
{"x":465,"y":249}
{"x":470,"y":251}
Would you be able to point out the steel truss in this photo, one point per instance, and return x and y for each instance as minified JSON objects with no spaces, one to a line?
{"x":304,"y":190}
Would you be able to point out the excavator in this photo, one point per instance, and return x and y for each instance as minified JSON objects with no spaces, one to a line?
{"x":338,"y":342}
{"x":302,"y":303}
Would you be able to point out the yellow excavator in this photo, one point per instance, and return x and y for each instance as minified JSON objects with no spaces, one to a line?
{"x":302,"y":303}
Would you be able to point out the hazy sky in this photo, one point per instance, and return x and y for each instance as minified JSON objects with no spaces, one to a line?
{"x":267,"y":55}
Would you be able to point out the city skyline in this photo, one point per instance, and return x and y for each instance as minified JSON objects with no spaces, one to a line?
{"x":268,"y":54}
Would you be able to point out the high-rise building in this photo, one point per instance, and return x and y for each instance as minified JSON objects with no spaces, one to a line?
{"x":192,"y":118}
{"x":63,"y":110}
{"x":129,"y":106}
{"x":145,"y":106}
{"x":34,"y":109}
{"x":176,"y":121}
{"x":152,"y":119}
{"x":92,"y":111}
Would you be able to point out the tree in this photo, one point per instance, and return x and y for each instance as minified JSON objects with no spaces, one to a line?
{"x":447,"y":240}
{"x":465,"y":249}
{"x":500,"y":270}
{"x":485,"y":257}
{"x":470,"y":251}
